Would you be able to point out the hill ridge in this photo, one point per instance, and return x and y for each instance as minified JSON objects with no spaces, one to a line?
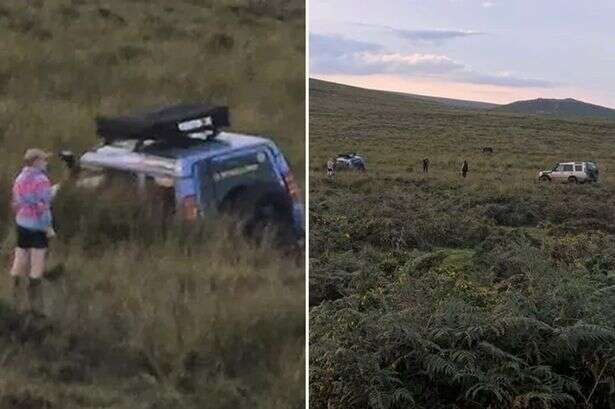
{"x":562,"y":107}
{"x":451,"y":102}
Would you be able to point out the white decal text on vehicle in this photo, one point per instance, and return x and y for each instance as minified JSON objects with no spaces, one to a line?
{"x":242,"y":170}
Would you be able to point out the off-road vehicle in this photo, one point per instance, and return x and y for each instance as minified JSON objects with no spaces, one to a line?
{"x":571,"y":172}
{"x":196,"y":169}
{"x":350,"y":161}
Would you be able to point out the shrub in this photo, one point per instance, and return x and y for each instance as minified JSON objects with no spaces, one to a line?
{"x":431,"y":346}
{"x":513,"y":214}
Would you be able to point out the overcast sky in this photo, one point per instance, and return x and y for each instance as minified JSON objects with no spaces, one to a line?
{"x":497,"y":50}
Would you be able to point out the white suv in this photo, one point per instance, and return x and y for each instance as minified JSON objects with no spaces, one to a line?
{"x":572,"y":172}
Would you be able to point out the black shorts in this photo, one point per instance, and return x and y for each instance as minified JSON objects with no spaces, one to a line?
{"x":31,"y":239}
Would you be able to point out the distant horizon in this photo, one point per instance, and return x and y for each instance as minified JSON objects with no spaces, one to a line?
{"x":422,"y":94}
{"x":489,"y":51}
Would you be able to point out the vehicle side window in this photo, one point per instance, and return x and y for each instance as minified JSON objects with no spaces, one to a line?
{"x":578,"y":168}
{"x":568,"y":168}
{"x":559,"y":168}
{"x":242,"y":168}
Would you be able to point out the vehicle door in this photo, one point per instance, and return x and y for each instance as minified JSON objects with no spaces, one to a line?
{"x":558,"y":172}
{"x":580,"y":172}
{"x":567,"y":171}
{"x":229,"y":172}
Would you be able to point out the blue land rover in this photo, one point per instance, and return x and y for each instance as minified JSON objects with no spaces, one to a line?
{"x":200,"y":170}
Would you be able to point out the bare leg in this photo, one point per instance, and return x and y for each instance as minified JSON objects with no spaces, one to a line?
{"x":21,"y":262}
{"x":38,"y":259}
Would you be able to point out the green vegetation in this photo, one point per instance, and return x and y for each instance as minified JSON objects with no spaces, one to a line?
{"x":148,"y":316}
{"x":434,"y":291}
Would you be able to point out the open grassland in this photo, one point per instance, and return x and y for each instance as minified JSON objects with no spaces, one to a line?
{"x":434,"y":291}
{"x":62,"y":62}
{"x":148,"y":316}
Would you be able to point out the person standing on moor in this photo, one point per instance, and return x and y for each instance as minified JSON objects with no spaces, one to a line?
{"x":32,"y":194}
{"x":331,"y":167}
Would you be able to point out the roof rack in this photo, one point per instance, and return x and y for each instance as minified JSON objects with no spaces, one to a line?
{"x":170,"y":124}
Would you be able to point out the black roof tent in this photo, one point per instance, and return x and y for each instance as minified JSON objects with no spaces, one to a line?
{"x":167,"y":124}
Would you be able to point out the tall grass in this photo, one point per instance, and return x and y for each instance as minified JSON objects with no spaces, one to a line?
{"x":147,"y":314}
{"x":197,"y":310}
{"x":117,"y":58}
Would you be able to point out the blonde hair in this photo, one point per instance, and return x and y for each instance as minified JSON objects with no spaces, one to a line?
{"x":33,"y":154}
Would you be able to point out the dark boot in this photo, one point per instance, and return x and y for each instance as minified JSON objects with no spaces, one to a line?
{"x":15,"y":291}
{"x":35,"y":296}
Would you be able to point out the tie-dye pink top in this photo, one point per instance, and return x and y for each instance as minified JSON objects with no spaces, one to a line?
{"x":32,"y":199}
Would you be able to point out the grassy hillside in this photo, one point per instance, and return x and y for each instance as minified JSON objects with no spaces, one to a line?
{"x":456,"y":103}
{"x":435,"y":291}
{"x":563,"y":108}
{"x":144,"y":316}
{"x":568,"y":108}
{"x":326,"y":86}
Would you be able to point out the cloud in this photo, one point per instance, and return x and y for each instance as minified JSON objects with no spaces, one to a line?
{"x":336,"y":55}
{"x":506,"y":80}
{"x":331,"y":54}
{"x":427,"y":35}
{"x":324,"y":44}
{"x":433,"y":35}
{"x":408,"y":64}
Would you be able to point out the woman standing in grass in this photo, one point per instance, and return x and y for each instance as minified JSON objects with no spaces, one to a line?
{"x":331,"y":167}
{"x":32,"y":193}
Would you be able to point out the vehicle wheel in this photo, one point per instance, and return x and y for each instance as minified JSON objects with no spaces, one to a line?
{"x":272,"y":212}
{"x":259,"y":208}
{"x":572,"y":179}
{"x":544,"y":178}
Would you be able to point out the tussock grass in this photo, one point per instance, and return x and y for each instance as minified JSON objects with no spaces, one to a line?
{"x":148,"y":315}
{"x":190,"y":316}
{"x":227,"y":312}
